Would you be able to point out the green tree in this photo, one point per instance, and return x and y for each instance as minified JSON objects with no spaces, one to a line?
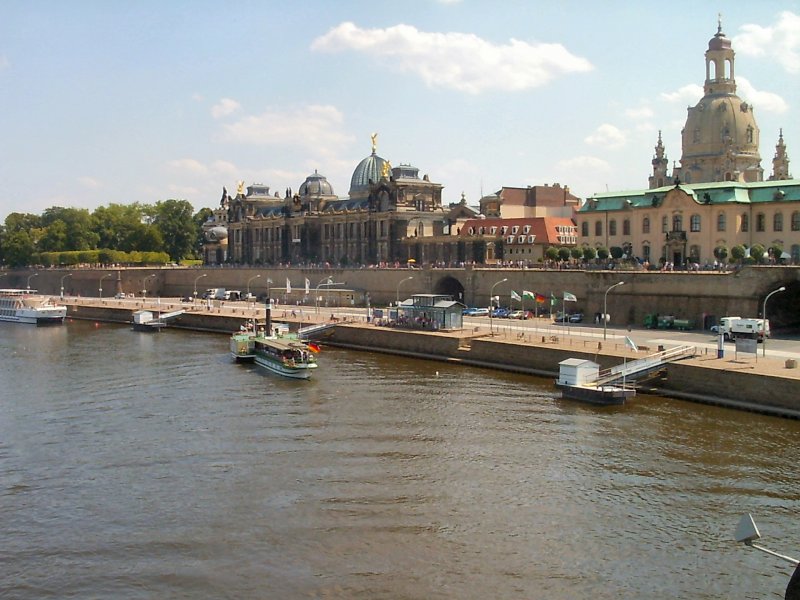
{"x":564,"y":253}
{"x":18,"y":248}
{"x":576,"y":253}
{"x":602,"y":253}
{"x":757,"y":253}
{"x":737,"y":253}
{"x":79,"y":226}
{"x":616,"y":252}
{"x":721,"y":253}
{"x":551,"y":253}
{"x":173,"y":218}
{"x":54,"y":238}
{"x":589,"y":253}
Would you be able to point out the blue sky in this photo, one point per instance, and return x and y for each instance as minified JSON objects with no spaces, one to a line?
{"x":110,"y":101}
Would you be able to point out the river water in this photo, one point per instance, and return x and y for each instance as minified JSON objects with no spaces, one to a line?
{"x":137,"y":465}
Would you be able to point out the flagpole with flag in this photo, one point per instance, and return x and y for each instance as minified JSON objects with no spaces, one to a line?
{"x":515,"y":296}
{"x":530,"y":295}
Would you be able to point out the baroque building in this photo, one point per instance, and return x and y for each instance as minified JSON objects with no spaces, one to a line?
{"x":716,"y":199}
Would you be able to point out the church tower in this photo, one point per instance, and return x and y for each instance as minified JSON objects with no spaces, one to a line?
{"x":659,"y":178}
{"x":780,"y":163}
{"x":720,"y":139}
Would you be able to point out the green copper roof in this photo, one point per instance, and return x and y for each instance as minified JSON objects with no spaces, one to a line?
{"x":719,"y":192}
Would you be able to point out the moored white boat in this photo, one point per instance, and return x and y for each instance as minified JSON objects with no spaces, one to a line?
{"x":285,"y":356}
{"x":28,"y":306}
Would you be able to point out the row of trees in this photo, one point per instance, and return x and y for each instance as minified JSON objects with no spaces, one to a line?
{"x":132,"y":233}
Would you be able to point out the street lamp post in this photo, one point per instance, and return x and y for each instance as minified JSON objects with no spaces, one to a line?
{"x":248,"y":284}
{"x":397,"y":294}
{"x":101,"y":283}
{"x":605,"y":306}
{"x":196,"y":279}
{"x":491,"y":300}
{"x":764,"y":316}
{"x":29,"y":280}
{"x":269,"y":291}
{"x":324,"y":281}
{"x":63,"y":277}
{"x":144,"y":284}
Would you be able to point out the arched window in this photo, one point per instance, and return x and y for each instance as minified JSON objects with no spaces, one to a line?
{"x":626,"y":227}
{"x":664,"y":224}
{"x":646,"y":252}
{"x":646,"y":225}
{"x":694,"y":223}
{"x":598,"y":228}
{"x":612,"y":227}
{"x":677,"y":223}
{"x":745,"y":223}
{"x":777,"y":222}
{"x":721,"y":221}
{"x":761,"y":222}
{"x":796,"y":221}
{"x":795,"y":253}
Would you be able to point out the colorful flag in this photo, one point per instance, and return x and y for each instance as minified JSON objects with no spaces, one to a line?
{"x":630,"y":344}
{"x":308,"y":287}
{"x":288,"y":286}
{"x":314,"y":347}
{"x":569,"y":297}
{"x":540,"y":299}
{"x":515,"y":296}
{"x":553,"y":299}
{"x":529,"y":295}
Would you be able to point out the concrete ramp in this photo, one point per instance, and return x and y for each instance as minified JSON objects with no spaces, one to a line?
{"x":307,"y":332}
{"x":171,"y":315}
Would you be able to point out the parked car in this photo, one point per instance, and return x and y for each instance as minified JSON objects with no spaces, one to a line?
{"x":500,"y":313}
{"x":481,"y":312}
{"x":518,"y":314}
{"x":469,"y":312}
{"x":575,"y":318}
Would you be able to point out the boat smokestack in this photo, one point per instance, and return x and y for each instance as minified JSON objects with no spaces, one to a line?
{"x":268,"y":324}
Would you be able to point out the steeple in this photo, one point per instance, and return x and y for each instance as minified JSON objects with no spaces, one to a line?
{"x":780,"y":163}
{"x":719,"y":64}
{"x":660,"y":163}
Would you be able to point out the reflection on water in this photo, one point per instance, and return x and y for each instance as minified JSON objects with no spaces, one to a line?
{"x":149,"y":465}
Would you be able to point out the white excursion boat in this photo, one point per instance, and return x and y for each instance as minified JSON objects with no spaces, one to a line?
{"x":287,"y":356}
{"x":28,"y":306}
{"x":274,"y":348}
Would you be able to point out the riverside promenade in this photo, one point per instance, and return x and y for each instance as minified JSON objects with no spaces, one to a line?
{"x":768,"y":384}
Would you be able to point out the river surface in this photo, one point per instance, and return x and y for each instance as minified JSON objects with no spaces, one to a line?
{"x":136,"y":465}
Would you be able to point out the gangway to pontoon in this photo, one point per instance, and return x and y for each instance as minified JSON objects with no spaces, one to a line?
{"x":307,"y":332}
{"x":634,"y":369}
{"x":170,"y":315}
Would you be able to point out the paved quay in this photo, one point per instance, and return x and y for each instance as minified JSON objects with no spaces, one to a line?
{"x":768,"y":384}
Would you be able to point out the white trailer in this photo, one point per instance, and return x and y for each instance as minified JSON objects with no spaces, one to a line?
{"x":733,"y":327}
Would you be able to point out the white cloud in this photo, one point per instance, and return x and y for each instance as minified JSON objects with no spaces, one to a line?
{"x":224,"y":167}
{"x":780,"y":42}
{"x":582,"y":164}
{"x":314,"y":127}
{"x":766,"y":101}
{"x":4,"y":64}
{"x":90,"y":182}
{"x":459,"y":61}
{"x":188,"y":164}
{"x":689,"y":94}
{"x":225,"y":107}
{"x":606,"y":135}
{"x":643,"y":112}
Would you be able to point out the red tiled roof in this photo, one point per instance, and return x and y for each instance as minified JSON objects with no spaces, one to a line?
{"x":544,"y":228}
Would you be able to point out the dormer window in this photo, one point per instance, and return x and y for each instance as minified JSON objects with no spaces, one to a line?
{"x":526,"y":229}
{"x":515,"y":229}
{"x":510,"y":239}
{"x":493,"y":230}
{"x":521,"y":239}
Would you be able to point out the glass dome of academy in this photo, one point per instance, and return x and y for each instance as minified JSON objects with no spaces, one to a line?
{"x":386,"y":207}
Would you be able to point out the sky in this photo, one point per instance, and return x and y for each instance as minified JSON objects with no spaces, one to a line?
{"x":112,"y":101}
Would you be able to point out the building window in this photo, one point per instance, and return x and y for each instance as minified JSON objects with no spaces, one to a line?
{"x":694,"y":254}
{"x":677,"y":223}
{"x":795,"y":253}
{"x":646,"y":225}
{"x":646,"y":252}
{"x":745,"y":223}
{"x":664,"y":224}
{"x":626,"y":227}
{"x":694,"y":223}
{"x":796,"y":221}
{"x":585,"y":229}
{"x":612,"y":227}
{"x":777,"y":222}
{"x":598,"y":228}
{"x":721,"y":222}
{"x":760,"y":222}
{"x":515,"y":229}
{"x":526,"y":229}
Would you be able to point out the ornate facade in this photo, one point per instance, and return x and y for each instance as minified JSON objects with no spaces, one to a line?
{"x":717,"y":197}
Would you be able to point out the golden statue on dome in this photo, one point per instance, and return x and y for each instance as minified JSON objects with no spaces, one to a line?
{"x":374,"y":138}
